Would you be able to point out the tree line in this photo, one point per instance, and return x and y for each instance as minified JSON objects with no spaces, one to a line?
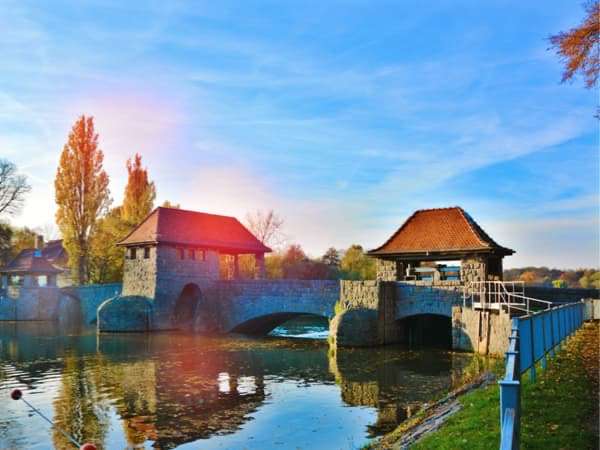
{"x":543,"y":276}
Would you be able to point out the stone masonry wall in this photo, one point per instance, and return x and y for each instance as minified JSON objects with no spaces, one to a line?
{"x":484,"y":332}
{"x":378,"y":296}
{"x":173,"y":274}
{"x":386,"y":270}
{"x":92,"y":296}
{"x":414,"y":298}
{"x":238,"y":301}
{"x":30,"y":303}
{"x":139,"y":274}
{"x":473,"y":269}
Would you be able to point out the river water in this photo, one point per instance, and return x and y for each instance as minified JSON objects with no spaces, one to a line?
{"x":172,"y":390}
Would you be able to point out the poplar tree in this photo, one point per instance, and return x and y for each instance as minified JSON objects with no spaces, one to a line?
{"x":82,"y":193}
{"x":139,"y":192}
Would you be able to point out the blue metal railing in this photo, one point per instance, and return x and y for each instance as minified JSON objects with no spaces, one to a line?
{"x":532,"y":338}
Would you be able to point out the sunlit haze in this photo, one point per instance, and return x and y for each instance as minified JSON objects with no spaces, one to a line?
{"x":343,"y":117}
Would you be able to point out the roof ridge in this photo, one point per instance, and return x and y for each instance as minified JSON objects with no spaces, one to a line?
{"x":195,"y":212}
{"x":475,"y":228}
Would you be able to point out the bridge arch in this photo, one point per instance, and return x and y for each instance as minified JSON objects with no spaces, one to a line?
{"x":263,"y":325}
{"x":426,"y":329}
{"x":186,"y":306}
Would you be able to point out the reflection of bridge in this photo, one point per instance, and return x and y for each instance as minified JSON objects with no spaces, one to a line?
{"x":174,"y":388}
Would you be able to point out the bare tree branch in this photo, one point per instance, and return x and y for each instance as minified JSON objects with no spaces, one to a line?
{"x":267,"y":227}
{"x":13,"y":188}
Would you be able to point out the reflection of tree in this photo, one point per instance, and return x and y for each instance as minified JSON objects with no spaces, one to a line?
{"x":132,"y":385}
{"x":77,"y":407}
{"x":197,"y":399}
{"x":182,"y":397}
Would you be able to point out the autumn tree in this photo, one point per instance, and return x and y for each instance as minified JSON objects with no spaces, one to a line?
{"x":13,"y":188}
{"x":579,"y":48}
{"x":6,"y":233}
{"x":22,"y":238}
{"x":139,"y":192}
{"x":82,"y":193}
{"x":331,"y":257}
{"x":106,"y":259}
{"x":529,"y":277}
{"x":168,"y":204}
{"x":274,"y":266}
{"x":356,"y":265}
{"x":591,"y":279}
{"x":267,"y":227}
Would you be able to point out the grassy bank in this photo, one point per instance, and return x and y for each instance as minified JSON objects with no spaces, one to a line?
{"x":560,"y":410}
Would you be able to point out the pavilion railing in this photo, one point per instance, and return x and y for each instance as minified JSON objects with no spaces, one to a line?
{"x":533,"y":337}
{"x":501,"y":294}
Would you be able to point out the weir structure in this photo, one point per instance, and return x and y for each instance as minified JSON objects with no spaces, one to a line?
{"x":438,"y":282}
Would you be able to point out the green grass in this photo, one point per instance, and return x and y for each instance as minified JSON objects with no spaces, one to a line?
{"x":557,"y":411}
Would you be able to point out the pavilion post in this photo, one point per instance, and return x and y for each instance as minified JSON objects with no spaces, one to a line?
{"x":236,"y":267}
{"x":259,"y":258}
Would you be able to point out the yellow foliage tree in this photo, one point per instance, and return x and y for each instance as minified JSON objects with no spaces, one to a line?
{"x":106,"y":257}
{"x":81,"y":190}
{"x":139,"y":192}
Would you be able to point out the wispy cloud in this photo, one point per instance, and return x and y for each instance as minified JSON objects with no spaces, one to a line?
{"x":343,"y":117}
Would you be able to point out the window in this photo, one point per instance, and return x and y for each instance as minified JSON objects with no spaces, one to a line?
{"x":15,"y":280}
{"x":146,"y":252}
{"x":202,"y":255}
{"x":132,"y":253}
{"x":181,"y":253}
{"x":42,"y":280}
{"x":192,"y":254}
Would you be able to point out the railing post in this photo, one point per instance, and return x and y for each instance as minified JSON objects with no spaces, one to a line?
{"x":552,"y":340}
{"x":544,"y":362}
{"x":510,"y":393}
{"x":532,"y":376}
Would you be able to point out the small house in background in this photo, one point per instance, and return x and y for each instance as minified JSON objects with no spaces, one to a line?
{"x":443,"y":244}
{"x":41,"y":266}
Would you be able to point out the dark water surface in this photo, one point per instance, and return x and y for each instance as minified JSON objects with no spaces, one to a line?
{"x":171,"y":390}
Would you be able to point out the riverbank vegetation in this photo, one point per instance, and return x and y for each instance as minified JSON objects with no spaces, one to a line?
{"x":559,"y":411}
{"x":543,"y":276}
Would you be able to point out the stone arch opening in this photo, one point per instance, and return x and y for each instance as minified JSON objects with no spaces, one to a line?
{"x":426,"y":330}
{"x":186,"y":306}
{"x":263,"y":325}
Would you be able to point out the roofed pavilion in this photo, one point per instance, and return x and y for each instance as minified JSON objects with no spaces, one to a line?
{"x":432,"y":236}
{"x":193,"y":236}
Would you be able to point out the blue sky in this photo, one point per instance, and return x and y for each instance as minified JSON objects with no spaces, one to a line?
{"x":342,"y":116}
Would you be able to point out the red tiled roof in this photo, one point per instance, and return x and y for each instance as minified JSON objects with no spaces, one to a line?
{"x":439,"y":230}
{"x":191,"y":228}
{"x":27,"y":262}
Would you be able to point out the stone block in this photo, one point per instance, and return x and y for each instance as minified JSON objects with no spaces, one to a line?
{"x":125,"y":314}
{"x":355,"y":328}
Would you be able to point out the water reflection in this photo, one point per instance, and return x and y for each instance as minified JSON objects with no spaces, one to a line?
{"x":166,"y":390}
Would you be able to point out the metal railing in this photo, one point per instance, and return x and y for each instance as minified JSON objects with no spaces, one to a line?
{"x":532,"y":339}
{"x":501,"y":294}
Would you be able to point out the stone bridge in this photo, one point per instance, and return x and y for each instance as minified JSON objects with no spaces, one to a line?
{"x":259,"y":306}
{"x":248,"y":307}
{"x":75,"y":304}
{"x":361,"y":313}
